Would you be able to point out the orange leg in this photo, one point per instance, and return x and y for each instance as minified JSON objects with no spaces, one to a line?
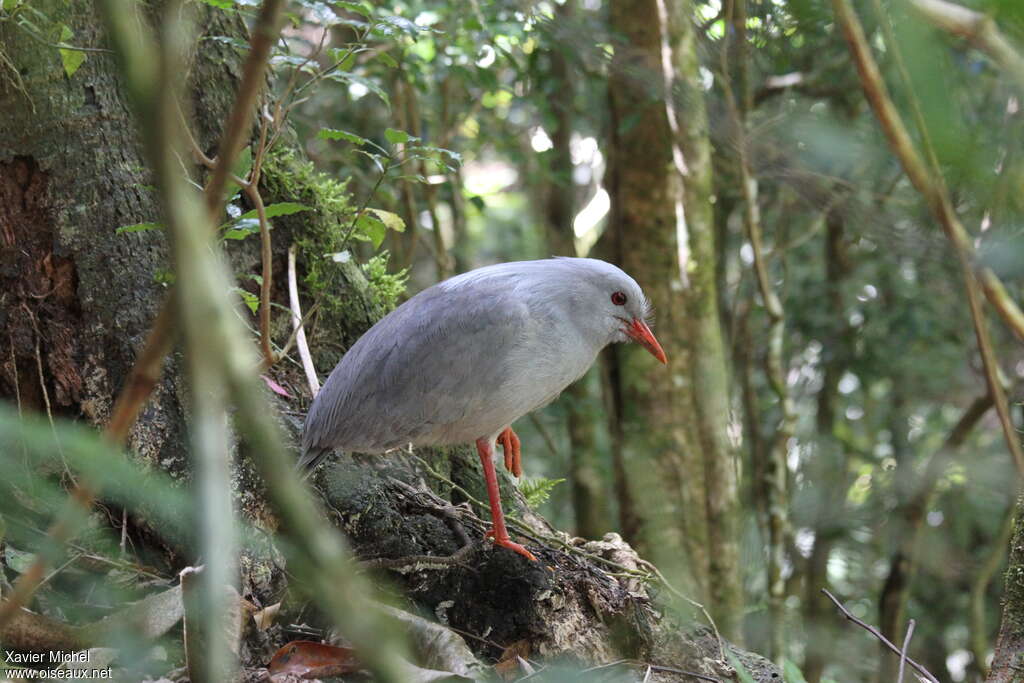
{"x":498,"y":531}
{"x":510,"y":447}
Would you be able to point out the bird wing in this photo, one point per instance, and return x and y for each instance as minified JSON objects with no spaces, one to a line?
{"x":426,"y":366}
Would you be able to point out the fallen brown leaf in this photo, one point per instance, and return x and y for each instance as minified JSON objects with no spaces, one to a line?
{"x":313,"y":660}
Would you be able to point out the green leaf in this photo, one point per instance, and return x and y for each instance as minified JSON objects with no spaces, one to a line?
{"x":388,"y":60}
{"x":275,"y":210}
{"x":367,"y":83}
{"x":344,"y":58}
{"x":371,"y":229}
{"x":250,"y":299}
{"x":241,"y":169}
{"x":536,"y":490}
{"x":164,"y":276}
{"x":138,"y":227}
{"x":241,"y":228}
{"x":791,"y":672}
{"x":9,"y":5}
{"x":741,"y":671}
{"x":17,"y":560}
{"x":220,"y":4}
{"x":335,"y":134}
{"x":397,"y":136}
{"x":391,"y":220}
{"x":354,"y":7}
{"x":72,"y":59}
{"x":389,"y":25}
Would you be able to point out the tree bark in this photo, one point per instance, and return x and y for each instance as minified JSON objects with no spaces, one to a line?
{"x":1010,"y":643}
{"x":588,"y":496}
{"x":660,"y":182}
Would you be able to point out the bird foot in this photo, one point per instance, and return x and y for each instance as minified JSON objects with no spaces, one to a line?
{"x":510,"y":446}
{"x":511,"y":545}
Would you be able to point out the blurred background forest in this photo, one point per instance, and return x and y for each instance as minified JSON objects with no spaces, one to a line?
{"x":835,"y":295}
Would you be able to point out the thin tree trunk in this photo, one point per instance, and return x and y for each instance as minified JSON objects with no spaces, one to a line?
{"x":588,"y":495}
{"x":1010,"y":643}
{"x":832,"y":476}
{"x":660,"y":182}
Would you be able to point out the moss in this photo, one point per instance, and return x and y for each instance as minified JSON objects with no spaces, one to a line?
{"x":386,"y":287}
{"x":351,"y":297}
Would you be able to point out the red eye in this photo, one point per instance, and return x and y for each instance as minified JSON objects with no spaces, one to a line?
{"x":619,"y":299}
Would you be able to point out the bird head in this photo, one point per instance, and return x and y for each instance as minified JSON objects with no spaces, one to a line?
{"x":614,"y":302}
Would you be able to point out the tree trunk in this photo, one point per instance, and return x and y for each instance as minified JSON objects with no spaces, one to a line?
{"x":588,"y":496}
{"x":832,"y":476}
{"x":660,"y":182}
{"x":1010,"y":643}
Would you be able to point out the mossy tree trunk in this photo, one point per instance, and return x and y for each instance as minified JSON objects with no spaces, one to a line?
{"x":660,"y":182}
{"x":1009,"y":652}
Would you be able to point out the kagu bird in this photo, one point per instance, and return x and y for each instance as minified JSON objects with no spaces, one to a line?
{"x":463,"y":360}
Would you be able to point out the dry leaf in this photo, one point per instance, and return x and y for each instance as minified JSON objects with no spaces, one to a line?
{"x":313,"y":660}
{"x":510,"y":664}
{"x":265,"y":617}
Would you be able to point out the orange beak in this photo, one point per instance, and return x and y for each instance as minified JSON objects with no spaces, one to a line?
{"x":641,"y":334}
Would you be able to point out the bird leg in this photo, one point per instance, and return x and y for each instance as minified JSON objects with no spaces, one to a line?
{"x":498,"y":531}
{"x":510,"y":447}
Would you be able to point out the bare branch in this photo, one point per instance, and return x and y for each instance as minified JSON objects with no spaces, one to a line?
{"x":903,"y":650}
{"x":878,"y":634}
{"x":1000,"y":299}
{"x":300,"y":333}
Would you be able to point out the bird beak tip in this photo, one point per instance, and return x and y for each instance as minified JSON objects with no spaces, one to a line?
{"x":641,"y":333}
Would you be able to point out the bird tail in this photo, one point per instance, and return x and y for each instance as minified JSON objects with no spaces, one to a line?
{"x":311,"y":457}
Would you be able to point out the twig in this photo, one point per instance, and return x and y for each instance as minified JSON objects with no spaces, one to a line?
{"x":300,"y":333}
{"x":934,"y":192}
{"x":903,"y":651}
{"x":420,"y":562}
{"x":1000,"y":299}
{"x":877,"y":634}
{"x":239,"y":122}
{"x":267,"y":276}
{"x":977,"y":28}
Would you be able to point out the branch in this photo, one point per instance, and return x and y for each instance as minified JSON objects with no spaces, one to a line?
{"x":1001,"y":300}
{"x":300,"y":333}
{"x":903,"y":650}
{"x":267,"y":276}
{"x":978,"y":29}
{"x":239,"y":123}
{"x":934,"y":192}
{"x":877,"y":634}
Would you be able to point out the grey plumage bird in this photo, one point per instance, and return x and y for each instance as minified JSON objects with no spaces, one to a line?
{"x":464,"y":359}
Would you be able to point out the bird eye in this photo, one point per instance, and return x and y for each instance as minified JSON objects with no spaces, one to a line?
{"x":619,"y":299}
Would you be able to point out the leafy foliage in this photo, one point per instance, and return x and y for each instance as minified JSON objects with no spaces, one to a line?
{"x":536,"y":490}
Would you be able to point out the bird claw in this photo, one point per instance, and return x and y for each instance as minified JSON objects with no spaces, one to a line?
{"x":510,"y":446}
{"x":511,"y":545}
